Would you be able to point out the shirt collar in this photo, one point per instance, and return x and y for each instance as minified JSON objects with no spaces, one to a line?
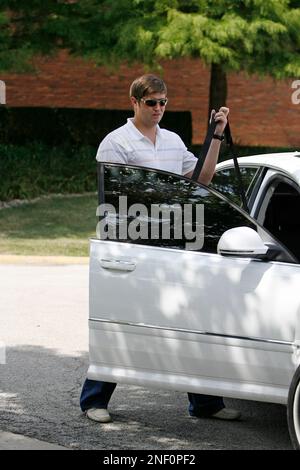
{"x":137,"y":133}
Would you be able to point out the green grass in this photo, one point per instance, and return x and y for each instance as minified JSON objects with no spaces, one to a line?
{"x":56,"y":225}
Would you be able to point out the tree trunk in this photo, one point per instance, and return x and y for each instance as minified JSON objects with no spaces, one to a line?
{"x":217,"y":88}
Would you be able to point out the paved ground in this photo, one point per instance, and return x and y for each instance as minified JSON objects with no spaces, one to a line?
{"x":10,"y":441}
{"x":43,"y":320}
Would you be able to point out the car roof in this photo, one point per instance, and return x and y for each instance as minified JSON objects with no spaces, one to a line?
{"x":286,"y":162}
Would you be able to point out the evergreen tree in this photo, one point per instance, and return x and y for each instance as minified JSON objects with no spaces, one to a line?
{"x":256,"y":36}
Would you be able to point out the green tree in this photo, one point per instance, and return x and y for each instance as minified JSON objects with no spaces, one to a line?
{"x":256,"y":36}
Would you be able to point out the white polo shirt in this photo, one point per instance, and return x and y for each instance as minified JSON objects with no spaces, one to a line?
{"x":128,"y":145}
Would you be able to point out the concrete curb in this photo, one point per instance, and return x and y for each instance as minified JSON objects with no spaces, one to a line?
{"x":43,"y":260}
{"x":10,"y":441}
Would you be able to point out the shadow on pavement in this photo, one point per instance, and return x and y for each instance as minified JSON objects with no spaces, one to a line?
{"x":39,"y":397}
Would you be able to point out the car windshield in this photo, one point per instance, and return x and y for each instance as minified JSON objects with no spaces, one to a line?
{"x":226,"y":182}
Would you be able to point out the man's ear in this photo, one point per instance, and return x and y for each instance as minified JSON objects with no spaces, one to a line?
{"x":134,"y":101}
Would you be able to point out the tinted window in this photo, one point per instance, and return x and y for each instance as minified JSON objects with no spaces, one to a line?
{"x":226,"y":182}
{"x":154,"y":188}
{"x":280,"y":214}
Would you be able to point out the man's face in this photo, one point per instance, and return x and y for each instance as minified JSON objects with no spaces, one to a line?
{"x":147,"y":115}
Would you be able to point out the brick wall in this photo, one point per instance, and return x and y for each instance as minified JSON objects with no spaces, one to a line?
{"x":261,"y":110}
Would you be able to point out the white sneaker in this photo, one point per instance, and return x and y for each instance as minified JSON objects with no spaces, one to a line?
{"x":101,"y":415}
{"x":227,"y":414}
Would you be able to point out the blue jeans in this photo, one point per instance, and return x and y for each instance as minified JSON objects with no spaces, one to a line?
{"x":96,"y":394}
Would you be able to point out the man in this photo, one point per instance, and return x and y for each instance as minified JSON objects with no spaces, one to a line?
{"x":141,"y":142}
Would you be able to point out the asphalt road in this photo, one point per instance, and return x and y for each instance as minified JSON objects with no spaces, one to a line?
{"x":43,"y":324}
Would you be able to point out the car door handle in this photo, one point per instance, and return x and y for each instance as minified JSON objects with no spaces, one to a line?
{"x":118,"y":264}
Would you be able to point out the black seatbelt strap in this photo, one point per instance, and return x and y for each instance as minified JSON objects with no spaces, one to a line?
{"x":229,"y":142}
{"x":204,"y":151}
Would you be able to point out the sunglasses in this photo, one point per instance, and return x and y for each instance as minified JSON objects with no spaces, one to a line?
{"x":152,"y":103}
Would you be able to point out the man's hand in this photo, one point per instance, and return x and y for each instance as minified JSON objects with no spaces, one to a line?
{"x":221,"y":118}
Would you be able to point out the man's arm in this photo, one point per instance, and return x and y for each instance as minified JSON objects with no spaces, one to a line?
{"x":209,"y":166}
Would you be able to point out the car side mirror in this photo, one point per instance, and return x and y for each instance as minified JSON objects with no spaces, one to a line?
{"x":242,"y":242}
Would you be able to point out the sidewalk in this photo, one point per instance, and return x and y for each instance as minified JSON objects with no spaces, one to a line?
{"x":10,"y":441}
{"x":43,"y":260}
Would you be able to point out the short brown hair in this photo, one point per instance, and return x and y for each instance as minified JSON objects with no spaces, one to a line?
{"x":146,"y":85}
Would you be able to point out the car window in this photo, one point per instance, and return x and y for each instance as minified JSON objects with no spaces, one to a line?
{"x":142,"y":198}
{"x":279,"y":213}
{"x":226,"y":182}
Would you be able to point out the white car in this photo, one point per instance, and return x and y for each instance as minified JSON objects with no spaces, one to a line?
{"x":216,"y":314}
{"x":272,"y":185}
